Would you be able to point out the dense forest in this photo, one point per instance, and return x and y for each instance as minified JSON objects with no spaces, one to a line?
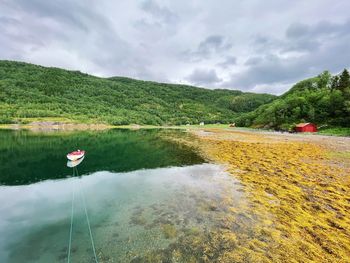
{"x":29,"y":91}
{"x":324,"y":100}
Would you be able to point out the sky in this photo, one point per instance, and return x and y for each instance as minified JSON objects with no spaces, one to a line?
{"x":250,"y":45}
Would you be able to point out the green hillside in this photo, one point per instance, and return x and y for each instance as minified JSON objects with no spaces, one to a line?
{"x":29,"y":91}
{"x":324,"y":100}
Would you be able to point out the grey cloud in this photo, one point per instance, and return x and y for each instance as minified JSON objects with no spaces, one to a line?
{"x":9,"y":31}
{"x":8,"y":21}
{"x":13,"y":36}
{"x":261,"y":40}
{"x":272,"y":69}
{"x":263,"y":45}
{"x":70,"y":16}
{"x":211,"y":45}
{"x":228,"y":62}
{"x":320,"y":29}
{"x":253,"y":61}
{"x":297,"y":30}
{"x":302,"y":45}
{"x":72,"y":13}
{"x":205,"y":77}
{"x":162,"y":13}
{"x":76,"y":28}
{"x":323,"y":45}
{"x":303,"y":37}
{"x":157,"y":22}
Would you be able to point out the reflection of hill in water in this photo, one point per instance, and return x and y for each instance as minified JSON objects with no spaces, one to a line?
{"x":27,"y":157}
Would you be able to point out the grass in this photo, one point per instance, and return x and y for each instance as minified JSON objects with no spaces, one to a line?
{"x":335,"y":131}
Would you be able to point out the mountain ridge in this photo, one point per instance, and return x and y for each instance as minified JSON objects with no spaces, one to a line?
{"x":33,"y":91}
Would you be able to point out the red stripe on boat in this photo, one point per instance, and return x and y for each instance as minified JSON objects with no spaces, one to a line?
{"x":76,"y":153}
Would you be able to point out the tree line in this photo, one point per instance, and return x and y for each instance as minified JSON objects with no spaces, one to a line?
{"x":324,"y":100}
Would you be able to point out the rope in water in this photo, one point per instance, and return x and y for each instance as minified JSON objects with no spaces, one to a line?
{"x":71,"y":225}
{"x":88,"y":221}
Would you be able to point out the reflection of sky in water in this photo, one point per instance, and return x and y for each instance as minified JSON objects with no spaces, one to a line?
{"x":126,"y":210}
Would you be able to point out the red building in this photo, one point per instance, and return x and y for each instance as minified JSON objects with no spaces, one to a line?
{"x":306,"y":127}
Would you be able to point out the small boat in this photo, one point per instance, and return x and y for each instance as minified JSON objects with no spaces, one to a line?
{"x":75,"y":155}
{"x":74,"y":163}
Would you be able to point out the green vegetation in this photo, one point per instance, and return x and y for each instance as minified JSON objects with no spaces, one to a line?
{"x":29,"y":92}
{"x":324,"y":100}
{"x":340,"y":131}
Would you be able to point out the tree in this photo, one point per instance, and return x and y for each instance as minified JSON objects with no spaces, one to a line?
{"x":335,"y":83}
{"x":324,"y":79}
{"x":344,"y":80}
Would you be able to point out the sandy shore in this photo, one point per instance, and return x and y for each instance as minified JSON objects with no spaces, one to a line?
{"x":298,"y":186}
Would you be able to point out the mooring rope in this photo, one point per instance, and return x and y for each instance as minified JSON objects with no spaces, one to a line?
{"x":88,"y":221}
{"x":71,"y":225}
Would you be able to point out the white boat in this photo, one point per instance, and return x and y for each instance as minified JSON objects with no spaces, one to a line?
{"x":74,"y":163}
{"x":75,"y":155}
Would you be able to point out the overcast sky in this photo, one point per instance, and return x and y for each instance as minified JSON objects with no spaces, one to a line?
{"x":251,"y":45}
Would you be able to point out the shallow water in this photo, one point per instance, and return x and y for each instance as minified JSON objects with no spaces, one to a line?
{"x":160,"y":193}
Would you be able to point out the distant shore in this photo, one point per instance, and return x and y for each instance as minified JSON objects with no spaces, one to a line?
{"x":55,"y":126}
{"x":48,"y":124}
{"x":59,"y":124}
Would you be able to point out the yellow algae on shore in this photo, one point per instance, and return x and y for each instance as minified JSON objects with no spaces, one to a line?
{"x":300,"y":193}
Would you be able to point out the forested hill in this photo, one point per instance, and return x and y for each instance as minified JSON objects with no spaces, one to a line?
{"x":324,"y":100}
{"x":29,"y":91}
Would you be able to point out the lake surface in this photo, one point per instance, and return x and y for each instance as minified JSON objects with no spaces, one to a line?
{"x":134,"y":198}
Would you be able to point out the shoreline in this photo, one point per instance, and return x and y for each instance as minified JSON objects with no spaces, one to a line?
{"x":298,"y":187}
{"x":55,"y":126}
{"x":48,"y":126}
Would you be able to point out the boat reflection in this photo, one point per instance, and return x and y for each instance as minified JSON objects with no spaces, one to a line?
{"x":72,"y":164}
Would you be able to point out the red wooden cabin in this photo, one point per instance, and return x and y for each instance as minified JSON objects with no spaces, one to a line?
{"x":306,"y":127}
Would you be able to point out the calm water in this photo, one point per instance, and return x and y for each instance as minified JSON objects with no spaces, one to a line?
{"x":138,"y":192}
